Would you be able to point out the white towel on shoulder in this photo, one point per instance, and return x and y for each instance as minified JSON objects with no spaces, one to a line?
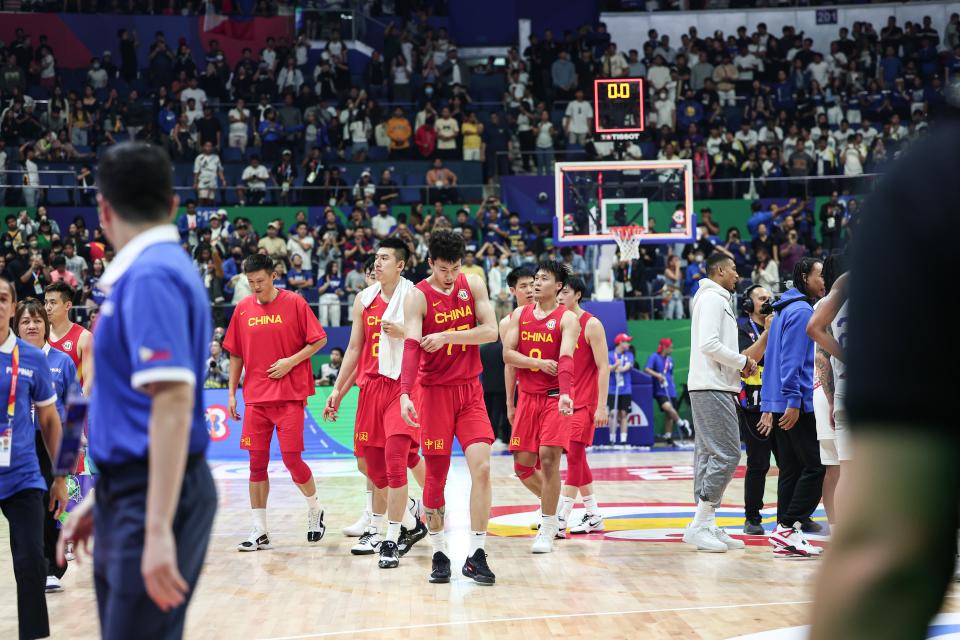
{"x":391,"y":350}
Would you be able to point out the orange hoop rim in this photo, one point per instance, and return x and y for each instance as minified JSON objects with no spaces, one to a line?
{"x":628,"y":232}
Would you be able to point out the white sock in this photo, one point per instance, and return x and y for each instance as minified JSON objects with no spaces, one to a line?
{"x":564,"y":507}
{"x":590,"y":502}
{"x":550,"y":521}
{"x":623,"y":437}
{"x":706,"y":514}
{"x":369,"y":502}
{"x":409,"y":522}
{"x":260,"y":520}
{"x":438,"y":542}
{"x":377,"y":522}
{"x":313,"y":502}
{"x":393,"y":531}
{"x":477,"y":541}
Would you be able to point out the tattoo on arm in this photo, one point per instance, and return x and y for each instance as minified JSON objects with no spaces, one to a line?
{"x":825,"y":372}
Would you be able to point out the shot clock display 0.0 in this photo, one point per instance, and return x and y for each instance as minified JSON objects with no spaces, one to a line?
{"x":618,"y":108}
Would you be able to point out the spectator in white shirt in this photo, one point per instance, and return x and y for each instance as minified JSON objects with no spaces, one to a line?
{"x":238,"y":132}
{"x":854,"y":156}
{"x":97,"y":76}
{"x":747,"y":66}
{"x":658,"y":75}
{"x":819,"y":70}
{"x":290,"y":77}
{"x":664,"y":49}
{"x":301,"y":245}
{"x":665,"y":109}
{"x":746,"y":136}
{"x":206,"y":169}
{"x":383,"y":223}
{"x":448,"y":130}
{"x":193,"y":111}
{"x":253,"y":183}
{"x":841,"y":135}
{"x":192,"y":91}
{"x":576,"y":119}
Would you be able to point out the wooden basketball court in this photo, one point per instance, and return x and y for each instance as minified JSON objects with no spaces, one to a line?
{"x":634,"y":581}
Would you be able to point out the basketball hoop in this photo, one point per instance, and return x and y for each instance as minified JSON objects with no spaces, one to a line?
{"x":628,"y":240}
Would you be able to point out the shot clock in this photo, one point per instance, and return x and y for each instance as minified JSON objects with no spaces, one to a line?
{"x":618,"y":108}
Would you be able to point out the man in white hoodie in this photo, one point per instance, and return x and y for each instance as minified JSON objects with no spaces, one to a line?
{"x":385,"y":441}
{"x":714,"y":382}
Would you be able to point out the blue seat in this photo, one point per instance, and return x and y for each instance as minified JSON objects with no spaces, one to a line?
{"x":231,"y":155}
{"x":38,"y":93}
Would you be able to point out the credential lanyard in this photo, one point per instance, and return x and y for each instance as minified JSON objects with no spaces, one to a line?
{"x":14,"y":375}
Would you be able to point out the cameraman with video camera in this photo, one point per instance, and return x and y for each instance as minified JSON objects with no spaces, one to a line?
{"x":218,"y":367}
{"x":752,"y":335}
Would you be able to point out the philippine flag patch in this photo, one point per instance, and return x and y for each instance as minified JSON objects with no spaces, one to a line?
{"x":149,"y":355}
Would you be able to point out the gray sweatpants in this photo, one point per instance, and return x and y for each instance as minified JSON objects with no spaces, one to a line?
{"x":717,"y":451}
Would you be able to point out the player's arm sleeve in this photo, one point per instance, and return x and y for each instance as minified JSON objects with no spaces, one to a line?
{"x":42,"y":393}
{"x":652,"y":363}
{"x":157,"y":322}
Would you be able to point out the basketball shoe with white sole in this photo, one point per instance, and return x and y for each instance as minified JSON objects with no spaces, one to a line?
{"x":357,"y":528}
{"x":790,"y":543}
{"x":368,"y":544}
{"x":543,"y":543}
{"x":588,"y":524}
{"x":258,"y":540}
{"x":732,"y":543}
{"x":704,"y":539}
{"x":315,"y":526}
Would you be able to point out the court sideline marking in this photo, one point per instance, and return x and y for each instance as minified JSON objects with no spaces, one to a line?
{"x":555,"y":616}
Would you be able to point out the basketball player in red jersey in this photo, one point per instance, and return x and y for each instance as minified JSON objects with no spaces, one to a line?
{"x":273,"y":334}
{"x":540,"y":342}
{"x":67,"y":336}
{"x":448,"y":316}
{"x":387,"y":443}
{"x":590,"y":386}
{"x":361,"y":528}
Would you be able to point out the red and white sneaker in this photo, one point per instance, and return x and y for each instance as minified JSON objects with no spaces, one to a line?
{"x":790,"y":543}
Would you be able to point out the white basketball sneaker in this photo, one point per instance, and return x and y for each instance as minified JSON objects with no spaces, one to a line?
{"x":732,"y":543}
{"x":543,"y":543}
{"x":790,"y":543}
{"x":704,"y":539}
{"x":588,"y":524}
{"x":368,"y":544}
{"x":357,"y":528}
{"x":258,"y":540}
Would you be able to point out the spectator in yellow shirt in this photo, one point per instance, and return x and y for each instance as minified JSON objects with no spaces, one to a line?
{"x":470,"y":266}
{"x":399,"y":132}
{"x":471,"y":131}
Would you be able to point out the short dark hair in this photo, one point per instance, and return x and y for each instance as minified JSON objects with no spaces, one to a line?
{"x":66,"y":291}
{"x":520,"y":272}
{"x":399,"y":246}
{"x":801,"y":271}
{"x":716,"y":259}
{"x":13,"y":290}
{"x":33,"y":307}
{"x":258,"y":262}
{"x":58,"y":261}
{"x":834,"y":266}
{"x":557,"y":268}
{"x":577,"y":285}
{"x":136,"y":178}
{"x":447,"y":245}
{"x":336,"y":349}
{"x":369,"y":263}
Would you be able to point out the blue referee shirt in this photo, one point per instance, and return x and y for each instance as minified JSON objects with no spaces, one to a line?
{"x":33,"y":387}
{"x":63,"y":373}
{"x":154,"y":326}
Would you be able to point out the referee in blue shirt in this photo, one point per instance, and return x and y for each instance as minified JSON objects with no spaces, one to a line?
{"x":155,"y":499}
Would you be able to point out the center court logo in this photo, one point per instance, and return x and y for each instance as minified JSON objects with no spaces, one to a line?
{"x":642,"y":522}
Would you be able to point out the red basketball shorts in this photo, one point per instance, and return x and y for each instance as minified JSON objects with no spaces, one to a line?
{"x":378,"y":416}
{"x":260,"y":419}
{"x":582,"y":425}
{"x":448,"y":411}
{"x":538,"y":423}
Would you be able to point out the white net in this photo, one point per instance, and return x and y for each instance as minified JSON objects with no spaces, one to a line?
{"x":628,"y":240}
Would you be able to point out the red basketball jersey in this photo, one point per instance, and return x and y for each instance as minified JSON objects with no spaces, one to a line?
{"x":539,"y":339}
{"x":455,"y":364}
{"x":584,"y":370}
{"x":369,"y":366}
{"x":70,"y":345}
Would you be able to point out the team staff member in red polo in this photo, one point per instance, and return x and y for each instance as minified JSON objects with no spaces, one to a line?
{"x":273,"y":334}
